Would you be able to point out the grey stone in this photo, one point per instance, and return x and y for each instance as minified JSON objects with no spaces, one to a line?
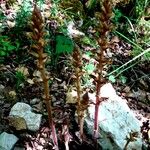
{"x":116,"y":121}
{"x":34,"y":101}
{"x":23,"y":110}
{"x":7,"y":141}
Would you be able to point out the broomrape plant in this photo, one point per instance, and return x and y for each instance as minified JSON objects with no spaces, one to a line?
{"x":38,"y":51}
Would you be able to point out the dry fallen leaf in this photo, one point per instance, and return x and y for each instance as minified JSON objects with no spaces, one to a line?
{"x":30,"y":81}
{"x":71,"y":97}
{"x":144,"y":84}
{"x":12,"y":94}
{"x":23,"y":70}
{"x":115,"y":39}
{"x":11,"y":24}
{"x":38,"y":107}
{"x":18,"y":123}
{"x":37,"y":75}
{"x":127,"y":89}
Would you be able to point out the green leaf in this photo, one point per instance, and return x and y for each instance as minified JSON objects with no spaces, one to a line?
{"x":63,"y":44}
{"x":17,"y":45}
{"x":2,"y":53}
{"x":112,"y":78}
{"x":11,"y":47}
{"x":86,"y":40}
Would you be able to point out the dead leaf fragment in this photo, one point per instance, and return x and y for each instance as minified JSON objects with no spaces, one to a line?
{"x":71,"y":97}
{"x":126,"y":89}
{"x":11,"y":24}
{"x":115,"y":39}
{"x":18,"y":123}
{"x":23,"y":70}
{"x":12,"y":94}
{"x":144,"y":84}
{"x":30,"y":81}
{"x":37,"y":75}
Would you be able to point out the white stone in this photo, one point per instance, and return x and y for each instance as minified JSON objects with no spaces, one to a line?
{"x":7,"y":141}
{"x":116,"y":121}
{"x":72,"y":31}
{"x":23,"y":110}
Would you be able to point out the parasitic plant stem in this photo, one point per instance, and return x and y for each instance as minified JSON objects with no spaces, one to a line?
{"x":77,"y":63}
{"x":38,"y":51}
{"x":103,"y":29}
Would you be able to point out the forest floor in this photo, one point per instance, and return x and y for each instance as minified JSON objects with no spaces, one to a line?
{"x":24,"y":87}
{"x":135,"y":91}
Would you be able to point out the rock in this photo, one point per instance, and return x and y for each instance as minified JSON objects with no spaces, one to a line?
{"x":72,"y":31}
{"x":116,"y":122}
{"x":7,"y":141}
{"x":35,"y":101}
{"x":23,"y":110}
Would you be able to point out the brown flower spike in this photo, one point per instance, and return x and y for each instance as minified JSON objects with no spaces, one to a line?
{"x":104,"y":27}
{"x":82,"y":99}
{"x":38,"y":51}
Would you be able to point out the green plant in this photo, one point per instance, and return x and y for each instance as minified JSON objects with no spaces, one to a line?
{"x":122,"y":68}
{"x":89,"y":68}
{"x":20,"y":78}
{"x":60,"y":44}
{"x":72,"y":10}
{"x":6,"y":47}
{"x":137,"y":35}
{"x":59,"y":41}
{"x":88,"y":41}
{"x":63,"y":44}
{"x":2,"y":18}
{"x":122,"y":78}
{"x":140,"y":6}
{"x":117,"y":16}
{"x":23,"y":16}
